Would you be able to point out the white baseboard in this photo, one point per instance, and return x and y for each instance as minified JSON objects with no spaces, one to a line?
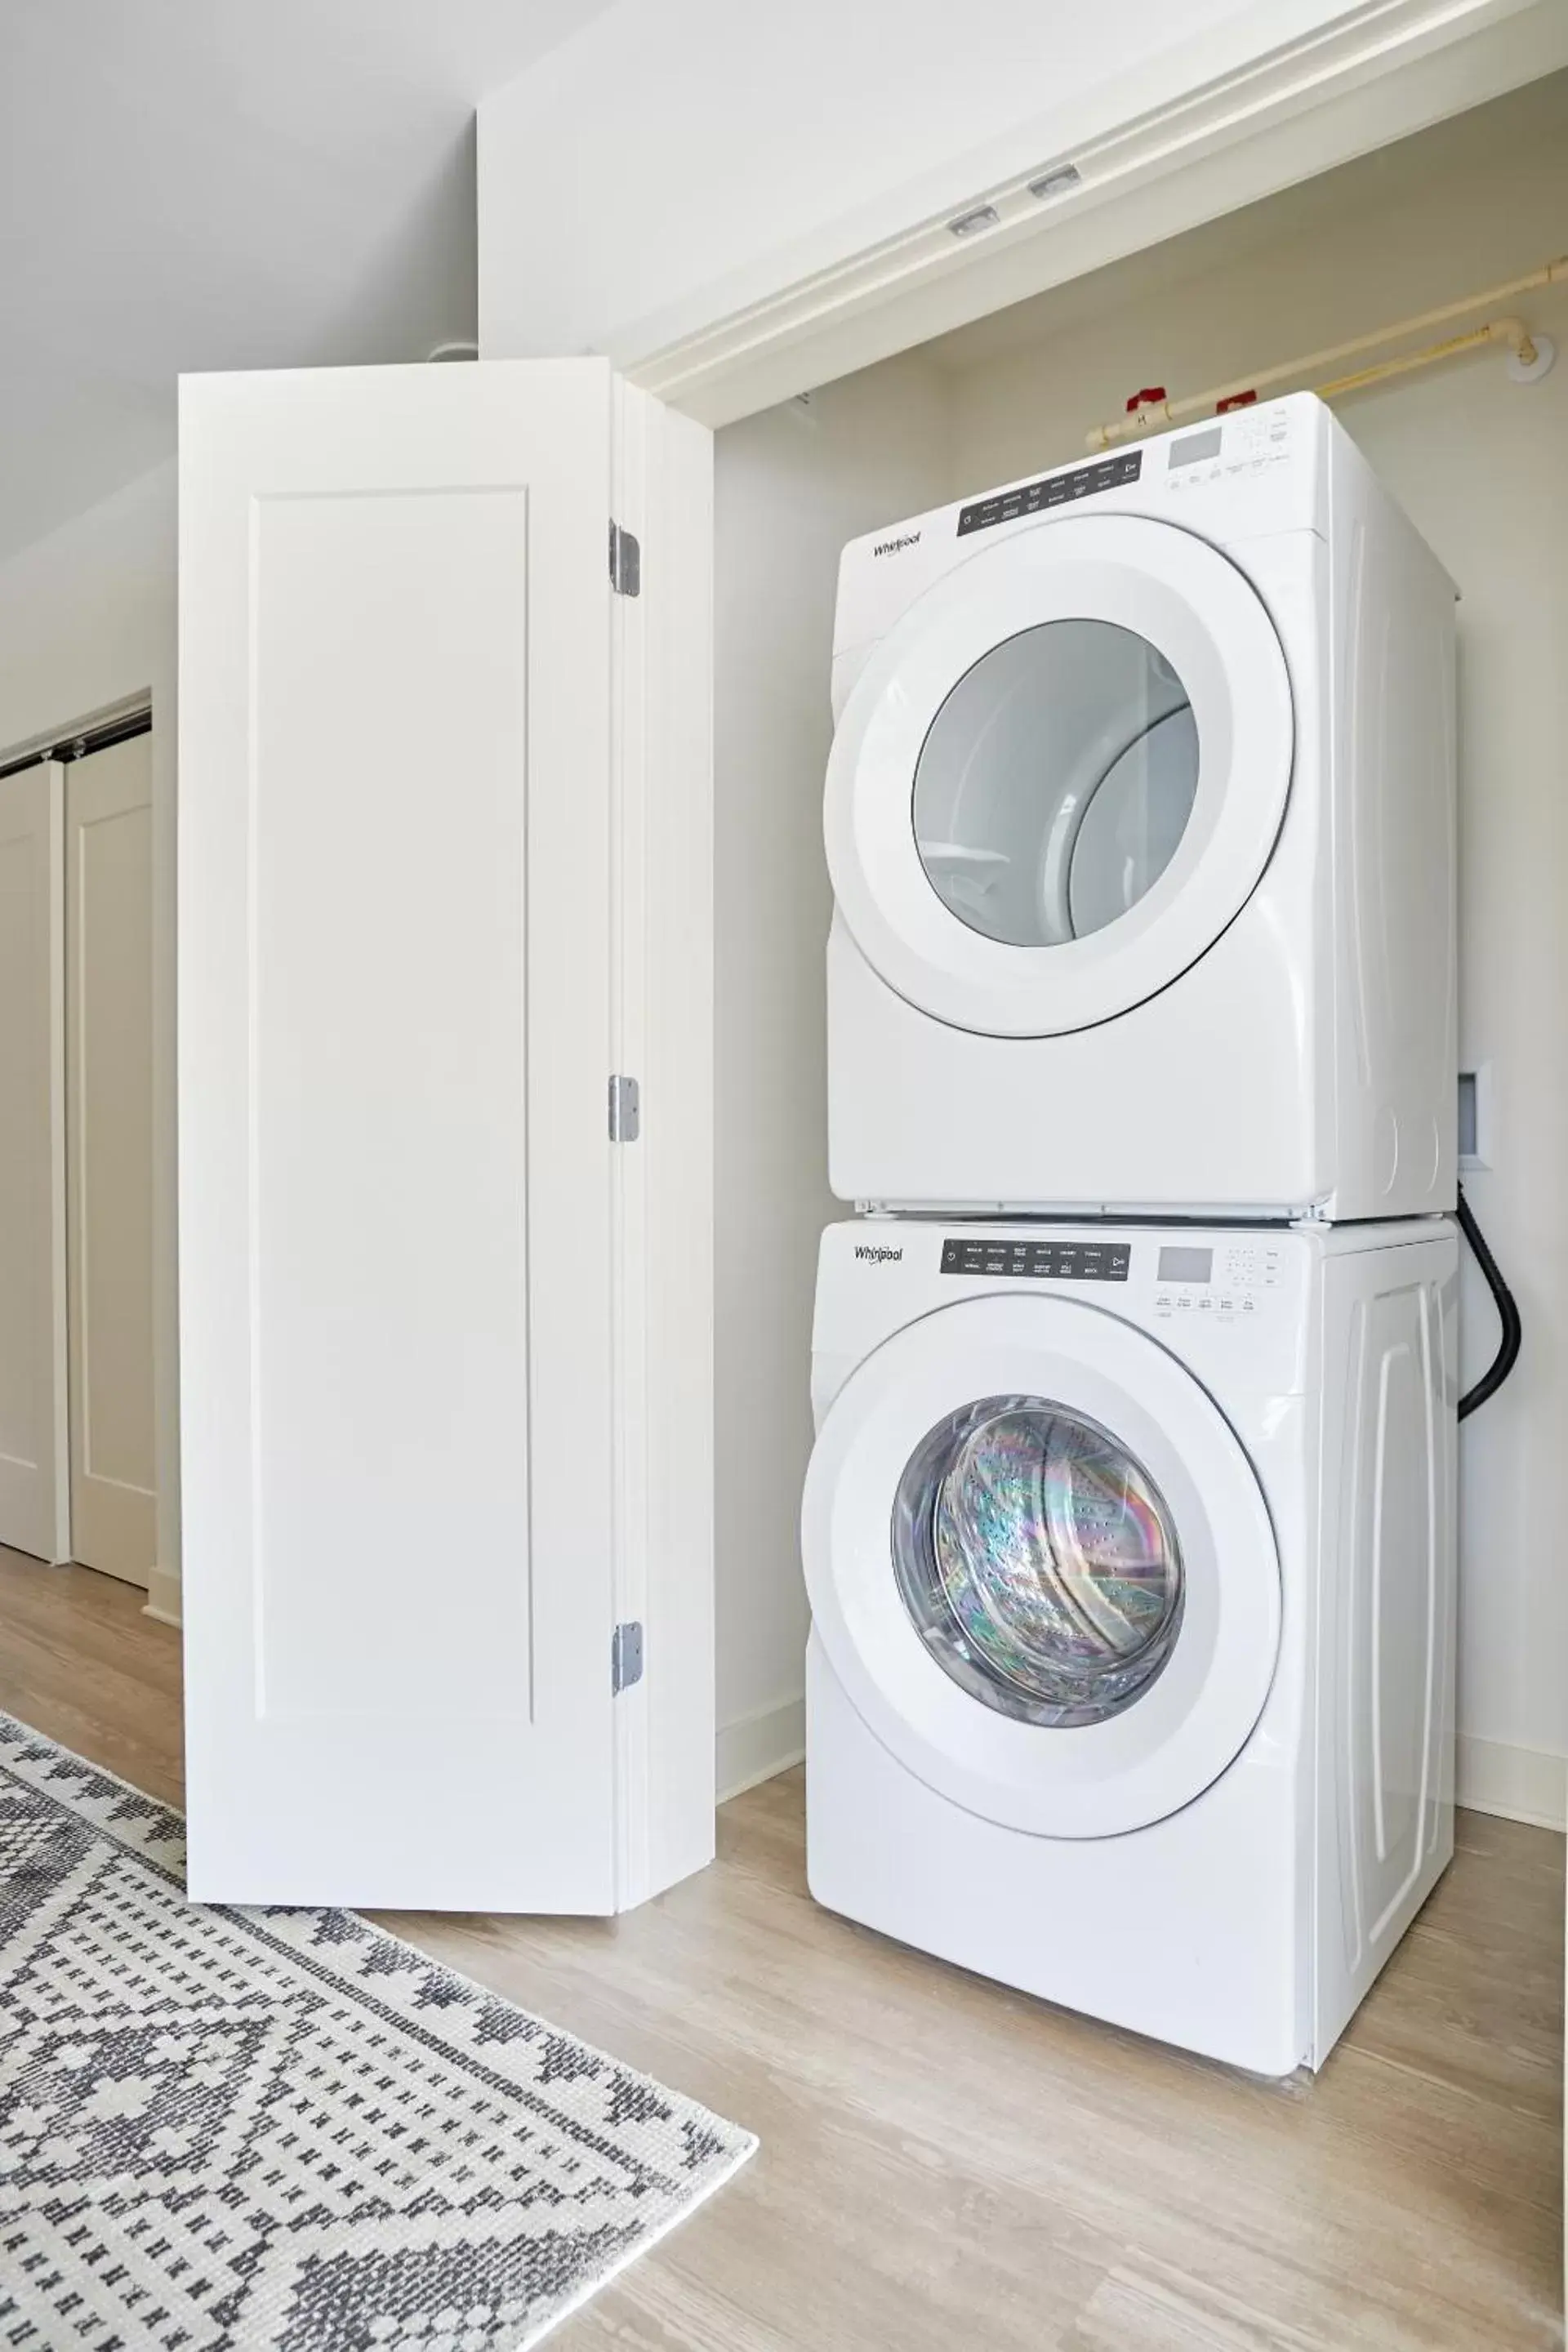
{"x":164,"y":1596}
{"x":1522,"y":1784}
{"x":756,"y":1746}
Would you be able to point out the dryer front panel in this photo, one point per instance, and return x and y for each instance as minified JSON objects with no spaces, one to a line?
{"x":1042,"y":1565}
{"x":1060,"y":776}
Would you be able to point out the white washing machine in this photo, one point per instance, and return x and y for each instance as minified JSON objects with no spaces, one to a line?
{"x":1140,"y":818}
{"x":1131,"y":1554}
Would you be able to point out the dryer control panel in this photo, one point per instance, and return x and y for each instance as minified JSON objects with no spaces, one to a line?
{"x":1061,"y":489}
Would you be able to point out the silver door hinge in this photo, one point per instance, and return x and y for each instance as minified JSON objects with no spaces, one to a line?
{"x":625,"y":562}
{"x":625,"y":1656}
{"x":625,"y":1110}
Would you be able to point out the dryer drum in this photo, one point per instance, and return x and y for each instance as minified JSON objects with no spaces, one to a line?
{"x":1038,"y":1561}
{"x":1055,"y":782}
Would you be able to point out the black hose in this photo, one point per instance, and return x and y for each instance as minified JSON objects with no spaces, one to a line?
{"x":1504,"y":1363}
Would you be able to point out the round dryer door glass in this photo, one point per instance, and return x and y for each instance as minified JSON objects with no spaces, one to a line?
{"x":1038,"y":1561}
{"x":1055,"y":782}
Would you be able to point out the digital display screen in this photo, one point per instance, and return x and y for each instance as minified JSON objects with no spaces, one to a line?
{"x":1179,"y":1264}
{"x":1195,"y":448}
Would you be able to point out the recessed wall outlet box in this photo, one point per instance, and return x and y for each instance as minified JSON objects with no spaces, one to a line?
{"x":1475,"y":1118}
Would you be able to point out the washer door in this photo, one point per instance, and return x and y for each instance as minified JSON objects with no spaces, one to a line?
{"x":1042,"y":1566}
{"x":1060,"y":776}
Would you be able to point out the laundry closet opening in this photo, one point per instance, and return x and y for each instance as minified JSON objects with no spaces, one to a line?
{"x":1471,"y":455}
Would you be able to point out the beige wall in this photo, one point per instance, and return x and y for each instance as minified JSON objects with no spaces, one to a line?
{"x":1481,"y":463}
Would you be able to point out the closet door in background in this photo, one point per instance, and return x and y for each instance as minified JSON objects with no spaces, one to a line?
{"x":32,"y":1163}
{"x":108,"y":1157}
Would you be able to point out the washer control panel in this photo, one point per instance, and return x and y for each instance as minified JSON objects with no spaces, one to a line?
{"x":1228,"y":1281}
{"x":1007,"y":1257}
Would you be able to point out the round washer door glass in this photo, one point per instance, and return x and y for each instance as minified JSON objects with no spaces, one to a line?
{"x":1038,"y":1561}
{"x":1055,"y":782}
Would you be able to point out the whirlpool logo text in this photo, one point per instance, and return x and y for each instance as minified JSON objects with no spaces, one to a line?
{"x":880,"y":1255}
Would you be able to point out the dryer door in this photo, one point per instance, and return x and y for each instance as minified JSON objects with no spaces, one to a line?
{"x":1059,"y":777}
{"x":1042,"y":1566}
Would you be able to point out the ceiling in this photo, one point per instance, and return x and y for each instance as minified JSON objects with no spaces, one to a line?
{"x":226,"y":184}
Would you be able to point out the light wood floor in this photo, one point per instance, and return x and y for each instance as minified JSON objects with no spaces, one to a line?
{"x":947,"y":2167}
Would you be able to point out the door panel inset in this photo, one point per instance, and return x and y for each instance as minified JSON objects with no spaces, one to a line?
{"x":109,"y":1135}
{"x":33,"y":1438}
{"x":362,"y":1062}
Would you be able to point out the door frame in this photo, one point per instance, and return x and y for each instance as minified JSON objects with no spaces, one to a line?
{"x":49,"y":1336}
{"x":1314,"y":101}
{"x":108,"y":778}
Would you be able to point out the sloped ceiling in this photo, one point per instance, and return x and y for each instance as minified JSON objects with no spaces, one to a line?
{"x":226,"y":184}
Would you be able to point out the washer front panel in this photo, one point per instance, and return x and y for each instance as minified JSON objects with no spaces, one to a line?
{"x":1157,"y":1754}
{"x":942,"y":918}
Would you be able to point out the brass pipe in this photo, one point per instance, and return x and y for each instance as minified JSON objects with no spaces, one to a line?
{"x":1203,"y":404}
{"x":1511,"y":331}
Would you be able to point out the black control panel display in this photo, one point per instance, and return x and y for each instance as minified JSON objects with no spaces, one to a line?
{"x":1036,"y":1261}
{"x":1056,"y":490}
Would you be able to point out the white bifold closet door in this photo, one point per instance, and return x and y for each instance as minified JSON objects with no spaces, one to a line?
{"x":32,"y":1163}
{"x":445,"y":1326}
{"x":108,"y":1157}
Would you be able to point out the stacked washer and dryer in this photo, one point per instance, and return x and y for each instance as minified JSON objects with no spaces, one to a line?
{"x":1129,"y":1528}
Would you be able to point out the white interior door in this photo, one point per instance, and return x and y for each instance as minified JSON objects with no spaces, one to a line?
{"x":109,"y":1157}
{"x":33,"y":1441}
{"x":395,"y":1184}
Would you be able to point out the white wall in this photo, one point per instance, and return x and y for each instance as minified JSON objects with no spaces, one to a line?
{"x":1480,"y":464}
{"x":86,"y":621}
{"x":790,"y":487}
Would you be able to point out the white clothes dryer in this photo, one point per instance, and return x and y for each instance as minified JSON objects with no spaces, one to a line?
{"x":1141,"y":820}
{"x":1131,"y":1554}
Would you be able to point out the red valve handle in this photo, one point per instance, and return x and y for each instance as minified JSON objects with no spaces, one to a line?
{"x":1146,"y":398}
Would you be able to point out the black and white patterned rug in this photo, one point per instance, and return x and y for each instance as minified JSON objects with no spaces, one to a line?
{"x":225,"y":2130}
